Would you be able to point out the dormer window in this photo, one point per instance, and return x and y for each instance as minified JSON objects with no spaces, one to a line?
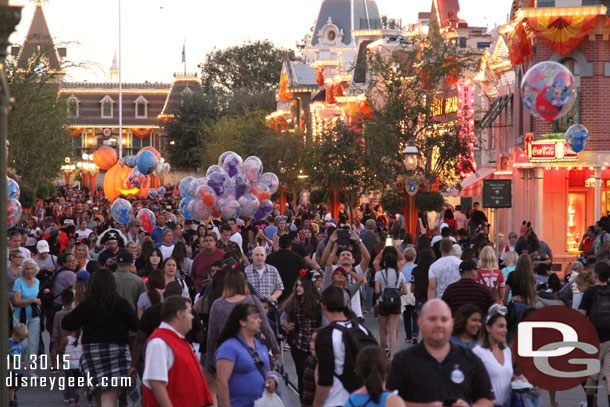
{"x":106,"y":107}
{"x":331,"y":35}
{"x":73,"y":106}
{"x":141,"y":107}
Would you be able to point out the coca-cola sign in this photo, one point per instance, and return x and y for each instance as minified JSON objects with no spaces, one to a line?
{"x":551,"y":151}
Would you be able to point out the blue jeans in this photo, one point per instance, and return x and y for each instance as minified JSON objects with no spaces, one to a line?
{"x":410,"y":320}
{"x":368,"y":304}
{"x":30,"y":344}
{"x":72,"y":391}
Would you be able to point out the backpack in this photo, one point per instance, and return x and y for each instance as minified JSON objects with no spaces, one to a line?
{"x":390,"y":298}
{"x":47,"y":298}
{"x":354,"y":339}
{"x":599,"y":314}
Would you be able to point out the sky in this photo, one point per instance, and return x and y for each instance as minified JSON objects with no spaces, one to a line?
{"x":153,"y":31}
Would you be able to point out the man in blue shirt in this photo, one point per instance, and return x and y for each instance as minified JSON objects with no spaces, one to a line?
{"x":157,"y":232}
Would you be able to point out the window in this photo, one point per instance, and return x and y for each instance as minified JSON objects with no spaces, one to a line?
{"x":573,"y":116}
{"x":545,"y":3}
{"x":463,"y":42}
{"x":483,"y":45}
{"x":72,"y":107}
{"x":141,"y":107}
{"x":106,"y":107}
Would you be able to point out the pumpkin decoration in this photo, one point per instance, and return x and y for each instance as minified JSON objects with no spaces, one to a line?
{"x":105,"y":157}
{"x":115,"y":183}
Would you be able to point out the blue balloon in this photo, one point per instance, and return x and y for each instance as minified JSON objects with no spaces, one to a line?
{"x":161,"y":191}
{"x":146,"y":162}
{"x":121,"y":211}
{"x":184,"y":187}
{"x":152,"y":193}
{"x":130,"y":161}
{"x":183,"y":208}
{"x":577,"y":137}
{"x":12,"y":189}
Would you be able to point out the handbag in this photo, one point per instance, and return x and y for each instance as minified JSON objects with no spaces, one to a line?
{"x":269,"y":400}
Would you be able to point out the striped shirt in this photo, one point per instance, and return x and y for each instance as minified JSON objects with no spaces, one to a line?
{"x":468,"y":291}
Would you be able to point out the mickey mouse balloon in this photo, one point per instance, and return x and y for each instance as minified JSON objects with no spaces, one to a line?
{"x":577,"y":137}
{"x":548,"y":90}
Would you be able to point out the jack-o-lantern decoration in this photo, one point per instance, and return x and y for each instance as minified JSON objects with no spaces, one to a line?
{"x":115,"y":183}
{"x":105,"y":157}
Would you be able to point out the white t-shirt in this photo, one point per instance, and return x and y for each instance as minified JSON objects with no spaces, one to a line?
{"x":446,"y":270}
{"x":389,"y":275}
{"x":499,"y":375}
{"x":439,"y":237}
{"x":355,"y":306}
{"x":159,"y":359}
{"x":83,"y":234}
{"x":166,"y":250}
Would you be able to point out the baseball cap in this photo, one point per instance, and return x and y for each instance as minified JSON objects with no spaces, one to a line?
{"x":339,"y":270}
{"x":467,"y":265}
{"x":42,"y":246}
{"x":83,"y":275}
{"x":123,"y":256}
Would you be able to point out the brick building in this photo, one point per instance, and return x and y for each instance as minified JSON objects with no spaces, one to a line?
{"x":559,"y":191}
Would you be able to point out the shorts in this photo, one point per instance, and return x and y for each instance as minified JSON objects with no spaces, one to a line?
{"x":604,"y":360}
{"x":386,"y":311}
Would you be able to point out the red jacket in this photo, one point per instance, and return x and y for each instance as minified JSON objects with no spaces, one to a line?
{"x":186,"y":385}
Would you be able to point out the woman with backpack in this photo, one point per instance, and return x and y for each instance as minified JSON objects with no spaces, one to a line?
{"x":373,"y":367}
{"x":390,"y":285}
{"x":489,"y":274}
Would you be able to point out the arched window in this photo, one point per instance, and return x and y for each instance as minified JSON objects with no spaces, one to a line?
{"x":72,"y":106}
{"x":573,"y":116}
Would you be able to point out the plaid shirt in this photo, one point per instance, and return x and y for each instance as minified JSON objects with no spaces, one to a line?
{"x":268,"y":283}
{"x":58,"y":332}
{"x":304,"y":329}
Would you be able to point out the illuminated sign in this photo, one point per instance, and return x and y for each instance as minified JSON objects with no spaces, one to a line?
{"x":444,"y":106}
{"x":550,"y":150}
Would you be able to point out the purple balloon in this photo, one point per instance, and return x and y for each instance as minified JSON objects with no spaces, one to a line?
{"x":264,"y":210}
{"x":240,"y":185}
{"x":218,"y":182}
{"x":233,"y":164}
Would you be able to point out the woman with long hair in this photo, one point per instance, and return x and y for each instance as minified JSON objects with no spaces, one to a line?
{"x":181,"y":256}
{"x":235,"y":292}
{"x":387,"y":278}
{"x":282,"y":228}
{"x":467,"y":326}
{"x":373,"y":368}
{"x":27,"y":303}
{"x":242,"y":360}
{"x":310,"y":242}
{"x":301,"y":316}
{"x":171,"y":273}
{"x":153,"y":262}
{"x":106,"y":319}
{"x":489,"y":274}
{"x":495,"y":354}
{"x":82,"y":255}
{"x":154,"y":289}
{"x":145,"y":252}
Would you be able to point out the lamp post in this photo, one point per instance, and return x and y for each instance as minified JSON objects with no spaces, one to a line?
{"x":410,"y":159}
{"x":9,"y":18}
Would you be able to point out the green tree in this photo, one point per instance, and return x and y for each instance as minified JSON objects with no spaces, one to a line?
{"x":244,"y":76}
{"x":39,"y":140}
{"x":338,"y":160}
{"x":409,"y":87}
{"x":184,"y":130}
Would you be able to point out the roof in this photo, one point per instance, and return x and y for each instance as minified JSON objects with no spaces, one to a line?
{"x":182,"y":84}
{"x":39,"y":37}
{"x":348,"y":15}
{"x":300,"y":75}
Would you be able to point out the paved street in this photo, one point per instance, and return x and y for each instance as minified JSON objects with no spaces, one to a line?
{"x":45,"y":397}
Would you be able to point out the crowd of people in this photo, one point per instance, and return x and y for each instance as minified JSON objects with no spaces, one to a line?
{"x":203,"y":312}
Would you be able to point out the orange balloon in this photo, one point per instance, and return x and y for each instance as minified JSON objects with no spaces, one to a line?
{"x":208,"y":200}
{"x":263,"y":196}
{"x":105,"y":157}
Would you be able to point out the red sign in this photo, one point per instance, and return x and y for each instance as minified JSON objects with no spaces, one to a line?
{"x":546,"y":151}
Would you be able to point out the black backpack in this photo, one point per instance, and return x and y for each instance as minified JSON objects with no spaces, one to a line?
{"x":354,"y":339}
{"x":600,"y":309}
{"x":390,"y":298}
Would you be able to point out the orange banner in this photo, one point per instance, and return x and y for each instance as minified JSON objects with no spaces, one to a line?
{"x":140,"y":133}
{"x":561,"y":33}
{"x":76,"y":132}
{"x":518,"y":43}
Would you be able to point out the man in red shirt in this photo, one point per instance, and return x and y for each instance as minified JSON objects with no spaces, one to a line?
{"x":172,"y":374}
{"x":203,"y":261}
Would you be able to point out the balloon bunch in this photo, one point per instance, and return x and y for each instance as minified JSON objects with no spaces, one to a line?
{"x":133,"y":175}
{"x":13,"y":205}
{"x":122,"y":212}
{"x":232,"y":188}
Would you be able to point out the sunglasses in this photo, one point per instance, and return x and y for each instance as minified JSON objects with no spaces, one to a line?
{"x":496,"y":309}
{"x":258,"y":361}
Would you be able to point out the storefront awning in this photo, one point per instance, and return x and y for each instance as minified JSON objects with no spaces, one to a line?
{"x":472,"y":186}
{"x":494,"y":111}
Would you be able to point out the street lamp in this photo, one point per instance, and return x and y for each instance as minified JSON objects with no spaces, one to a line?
{"x":410,"y":156}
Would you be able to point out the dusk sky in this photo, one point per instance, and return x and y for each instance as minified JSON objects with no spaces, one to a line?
{"x":153,"y":31}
